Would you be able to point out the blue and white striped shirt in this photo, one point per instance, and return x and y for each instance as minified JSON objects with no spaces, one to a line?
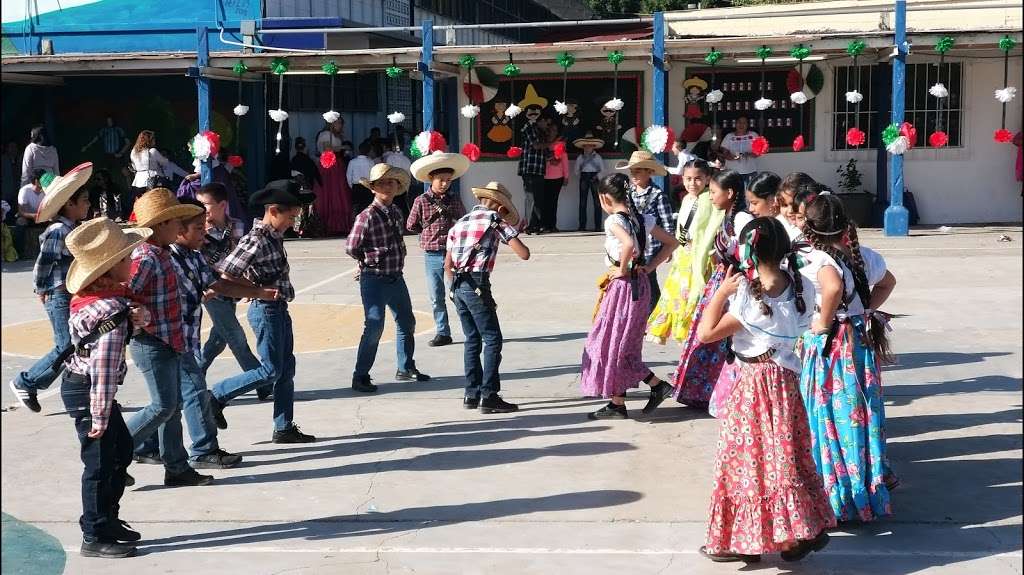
{"x":113,"y":139}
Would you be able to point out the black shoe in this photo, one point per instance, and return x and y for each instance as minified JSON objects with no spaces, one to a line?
{"x":128,"y":480}
{"x":123,"y":532}
{"x":495,"y":404}
{"x":363,"y":384}
{"x":26,"y":397}
{"x":218,"y":410}
{"x":659,"y":393}
{"x":291,"y":435}
{"x":264,"y":393}
{"x":219,"y":459}
{"x":188,"y":478}
{"x":471,"y":402}
{"x":440,"y":340}
{"x":610,"y":411}
{"x":107,"y":549}
{"x":804,"y":548}
{"x":148,"y":459}
{"x":411,"y":375}
{"x":730,"y":557}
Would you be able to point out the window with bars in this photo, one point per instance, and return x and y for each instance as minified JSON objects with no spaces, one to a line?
{"x":926,"y":112}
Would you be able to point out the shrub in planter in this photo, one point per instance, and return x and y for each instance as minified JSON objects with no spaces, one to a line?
{"x":857,"y":202}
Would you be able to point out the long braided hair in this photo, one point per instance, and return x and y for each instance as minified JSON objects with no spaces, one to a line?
{"x":828,"y":227}
{"x":769,"y":242}
{"x":617,"y":187}
{"x":728,"y":180}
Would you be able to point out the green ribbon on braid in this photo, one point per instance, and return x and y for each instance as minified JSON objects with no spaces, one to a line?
{"x":745,"y":254}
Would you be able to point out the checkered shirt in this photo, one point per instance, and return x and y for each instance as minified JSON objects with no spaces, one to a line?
{"x":376,"y":240}
{"x":155,"y":286}
{"x":219,"y":242}
{"x":194,"y":278}
{"x":432,"y":218}
{"x":531,"y":163}
{"x":105,"y":365}
{"x":469,"y":231}
{"x":54,"y":258}
{"x":651,"y":201}
{"x":261,"y":259}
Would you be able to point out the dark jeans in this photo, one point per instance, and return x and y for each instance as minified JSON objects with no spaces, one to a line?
{"x":479,"y":316}
{"x":41,"y":375}
{"x":379,"y":292}
{"x":362,"y":197}
{"x":588,"y":189}
{"x":533,"y":185}
{"x":549,"y":203}
{"x":655,"y":289}
{"x":195,"y":406}
{"x":161,"y":368}
{"x":106,"y":458}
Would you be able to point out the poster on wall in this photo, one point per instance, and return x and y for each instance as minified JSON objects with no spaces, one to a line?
{"x":586,"y":96}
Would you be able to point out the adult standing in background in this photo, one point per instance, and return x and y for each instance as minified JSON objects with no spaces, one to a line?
{"x":151,"y":169}
{"x":333,"y":196}
{"x":39,"y":155}
{"x":115,"y":145}
{"x":738,"y":146}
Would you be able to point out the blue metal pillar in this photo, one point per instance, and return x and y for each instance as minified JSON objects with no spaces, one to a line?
{"x":658,"y":81}
{"x":203,"y":92}
{"x":426,"y":59}
{"x":897,"y":219}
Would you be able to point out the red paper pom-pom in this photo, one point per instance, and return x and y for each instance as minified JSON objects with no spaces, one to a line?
{"x":855,"y":137}
{"x":328,"y":159}
{"x":907,"y":129}
{"x":235,"y":161}
{"x":1003,"y":136}
{"x":759,"y":146}
{"x":437,"y":142}
{"x":938,"y":139}
{"x":798,"y":143}
{"x":471,"y":151}
{"x":514,"y":152}
{"x":794,"y":81}
{"x":214,"y":139}
{"x":558,"y":150}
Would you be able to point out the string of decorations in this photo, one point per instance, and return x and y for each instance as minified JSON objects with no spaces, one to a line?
{"x":279,"y":66}
{"x":797,"y":96}
{"x":760,"y":145}
{"x":715,"y":95}
{"x":616,"y":57}
{"x":511,"y":70}
{"x":1006,"y":94}
{"x":939,"y":138}
{"x":855,"y":137}
{"x":470,"y":110}
{"x":565,"y":60}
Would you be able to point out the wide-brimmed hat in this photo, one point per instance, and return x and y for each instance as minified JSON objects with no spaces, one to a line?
{"x":642,"y":159}
{"x":98,"y":245}
{"x":499,"y":193}
{"x":531,"y":98}
{"x":160,"y":205}
{"x":283,"y":193}
{"x":60,"y":190}
{"x":384,"y":171}
{"x":694,"y":81}
{"x":589,"y":140}
{"x":439,"y":160}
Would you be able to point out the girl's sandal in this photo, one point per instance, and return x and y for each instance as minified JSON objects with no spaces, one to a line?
{"x":729,"y":557}
{"x":804,"y":548}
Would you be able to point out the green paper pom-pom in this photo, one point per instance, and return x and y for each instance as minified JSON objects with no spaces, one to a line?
{"x":511,"y":70}
{"x":329,"y":68}
{"x":393,"y":71}
{"x":890,"y":133}
{"x":616,"y":57}
{"x":565,"y":60}
{"x":279,"y":65}
{"x":1006,"y":44}
{"x":800,"y":52}
{"x":467,"y":61}
{"x":944,"y":44}
{"x":763,"y":52}
{"x":713,"y":57}
{"x":239,"y":68}
{"x":856,"y":48}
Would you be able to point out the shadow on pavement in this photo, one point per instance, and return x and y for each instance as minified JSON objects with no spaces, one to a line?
{"x":914,"y":360}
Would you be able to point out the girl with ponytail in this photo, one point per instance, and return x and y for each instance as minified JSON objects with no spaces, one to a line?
{"x":842,"y":356}
{"x":767,"y":495}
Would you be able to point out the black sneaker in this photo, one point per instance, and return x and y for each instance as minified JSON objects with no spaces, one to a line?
{"x":495,"y":404}
{"x":610,"y":411}
{"x":123,"y":532}
{"x":363,"y":384}
{"x":440,"y":341}
{"x":471,"y":402}
{"x":291,"y":435}
{"x":26,"y":397}
{"x":219,"y":459}
{"x":188,"y":478}
{"x":265,"y":393}
{"x":804,"y":548}
{"x":148,"y":458}
{"x":106,"y":548}
{"x":218,"y":410}
{"x":411,"y":375}
{"x":659,"y":393}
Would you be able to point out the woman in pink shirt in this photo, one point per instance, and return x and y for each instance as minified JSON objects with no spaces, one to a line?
{"x":556,"y":178}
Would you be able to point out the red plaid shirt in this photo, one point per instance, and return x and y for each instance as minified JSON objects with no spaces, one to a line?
{"x":154,"y":285}
{"x":469,"y":231}
{"x":105,"y":365}
{"x":432,"y":217}
{"x":376,"y":240}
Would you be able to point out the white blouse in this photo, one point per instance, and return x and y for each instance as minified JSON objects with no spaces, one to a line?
{"x":150,"y":162}
{"x":778,"y":331}
{"x":612,"y":245}
{"x":874,"y":269}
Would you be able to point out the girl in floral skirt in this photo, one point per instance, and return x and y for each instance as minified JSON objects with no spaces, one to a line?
{"x":767,"y":495}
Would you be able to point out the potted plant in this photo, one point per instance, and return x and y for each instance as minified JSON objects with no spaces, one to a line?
{"x":856,"y":200}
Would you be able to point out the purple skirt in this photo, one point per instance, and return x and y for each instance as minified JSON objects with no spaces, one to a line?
{"x":613,"y":355}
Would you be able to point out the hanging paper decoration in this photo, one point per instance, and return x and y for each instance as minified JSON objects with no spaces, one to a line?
{"x":331,"y":116}
{"x":396,"y":117}
{"x":331,"y":69}
{"x":204,"y":145}
{"x":514,"y":152}
{"x":467,"y":61}
{"x":614,"y":104}
{"x":279,"y":66}
{"x":471,"y":151}
{"x":427,"y":142}
{"x":393,"y":71}
{"x":798,"y":143}
{"x":797,"y":95}
{"x":511,"y":70}
{"x":855,"y":48}
{"x":1007,"y":93}
{"x":759,"y":146}
{"x":895,"y":137}
{"x":712,"y":57}
{"x":798,"y":98}
{"x":239,"y":69}
{"x":657,"y":139}
{"x":470,"y":111}
{"x":855,"y":137}
{"x":763,"y":104}
{"x":561,"y":107}
{"x":938,"y":139}
{"x":513,"y":110}
{"x":1003,"y":136}
{"x":616,"y":57}
{"x":714,"y":97}
{"x":908,"y":131}
{"x":328,"y":159}
{"x":939,"y":90}
{"x":565,"y":60}
{"x":235,"y":161}
{"x":854,"y":97}
{"x":278,"y":116}
{"x":241,"y":110}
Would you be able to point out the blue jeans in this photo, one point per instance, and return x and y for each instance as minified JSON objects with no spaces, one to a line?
{"x":226,"y":332}
{"x":434,"y":263}
{"x":378,"y":292}
{"x":58,"y":309}
{"x":161,"y":367}
{"x":195,"y":406}
{"x":479,"y":315}
{"x":275,"y":343}
{"x":588,"y":189}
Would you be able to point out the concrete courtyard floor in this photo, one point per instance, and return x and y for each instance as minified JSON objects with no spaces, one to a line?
{"x":406,"y":481}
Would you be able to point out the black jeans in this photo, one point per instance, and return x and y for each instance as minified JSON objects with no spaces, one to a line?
{"x":549,"y":203}
{"x":588,"y":189}
{"x":655,"y":290}
{"x":106,"y":458}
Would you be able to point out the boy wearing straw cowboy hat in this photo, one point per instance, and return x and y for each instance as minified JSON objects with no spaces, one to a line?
{"x":589,"y":166}
{"x":100,"y":331}
{"x":649,"y":200}
{"x":472,"y":250}
{"x":432,"y":215}
{"x":377,"y":243}
{"x":67,"y":202}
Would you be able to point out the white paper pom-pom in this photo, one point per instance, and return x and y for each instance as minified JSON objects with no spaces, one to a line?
{"x":396,"y":117}
{"x":561,"y":108}
{"x":898,"y":146}
{"x":714,"y":97}
{"x":470,"y":111}
{"x":1006,"y":95}
{"x":763,"y":104}
{"x":655,"y":139}
{"x":201,"y":147}
{"x":513,"y":111}
{"x":241,"y":110}
{"x":854,"y":97}
{"x":614,"y":104}
{"x":939,"y":90}
{"x":798,"y":98}
{"x":330,"y":116}
{"x":278,"y":115}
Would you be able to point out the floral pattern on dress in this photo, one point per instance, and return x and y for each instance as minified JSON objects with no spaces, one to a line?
{"x":613,"y":354}
{"x":674,"y":311}
{"x":700,"y":364}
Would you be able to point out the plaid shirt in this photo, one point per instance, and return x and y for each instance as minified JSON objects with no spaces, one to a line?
{"x":220,"y":241}
{"x":376,"y":240}
{"x":469,"y":231}
{"x":531,"y":163}
{"x":155,"y":286}
{"x":54,"y":258}
{"x":432,"y":218}
{"x":105,"y":365}
{"x":194,"y":278}
{"x":651,"y":201}
{"x":261,"y":259}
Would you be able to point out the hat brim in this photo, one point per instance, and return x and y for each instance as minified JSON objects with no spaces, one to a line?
{"x":176,"y":212}
{"x":79,"y":277}
{"x":659,"y":170}
{"x":60,"y":190}
{"x":596,"y":142}
{"x":402,"y":181}
{"x":422,"y":167}
{"x":512,"y":218}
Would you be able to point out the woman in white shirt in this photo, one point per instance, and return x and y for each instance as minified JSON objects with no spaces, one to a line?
{"x":39,"y":155}
{"x":738,"y":146}
{"x":149,"y":166}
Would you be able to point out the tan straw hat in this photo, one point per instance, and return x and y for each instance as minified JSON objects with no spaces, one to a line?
{"x":589,"y":140}
{"x":159,"y":205}
{"x":439,"y":160}
{"x":60,"y":191}
{"x":383,"y":171}
{"x":642,"y":159}
{"x":499,"y":193}
{"x":98,"y":245}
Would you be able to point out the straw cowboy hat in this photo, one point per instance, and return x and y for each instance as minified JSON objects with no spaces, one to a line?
{"x":159,"y":205}
{"x":642,"y":159}
{"x":98,"y":245}
{"x":60,"y":190}
{"x":499,"y":193}
{"x":439,"y":160}
{"x":589,"y":140}
{"x":382,"y":171}
{"x":532,"y":99}
{"x":694,"y":81}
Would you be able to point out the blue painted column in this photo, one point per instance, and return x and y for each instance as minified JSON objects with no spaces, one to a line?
{"x":426,"y":58}
{"x":203,"y":92}
{"x":897,"y":219}
{"x":658,"y":84}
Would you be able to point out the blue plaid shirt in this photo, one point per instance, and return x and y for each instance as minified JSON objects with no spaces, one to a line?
{"x":54,"y":258}
{"x":651,"y":201}
{"x":194,"y":278}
